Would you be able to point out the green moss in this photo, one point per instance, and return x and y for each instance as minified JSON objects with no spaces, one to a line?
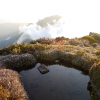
{"x":96,"y":36}
{"x":89,"y":38}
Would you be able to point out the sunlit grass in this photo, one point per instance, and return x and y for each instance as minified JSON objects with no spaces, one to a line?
{"x":78,"y":52}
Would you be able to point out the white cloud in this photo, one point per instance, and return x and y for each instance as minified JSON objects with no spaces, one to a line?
{"x":81,"y":15}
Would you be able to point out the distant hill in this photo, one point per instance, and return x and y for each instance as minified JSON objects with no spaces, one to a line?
{"x":9,"y":30}
{"x":48,"y":20}
{"x":14,"y":36}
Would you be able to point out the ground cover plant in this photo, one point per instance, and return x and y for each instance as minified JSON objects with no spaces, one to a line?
{"x":81,"y":52}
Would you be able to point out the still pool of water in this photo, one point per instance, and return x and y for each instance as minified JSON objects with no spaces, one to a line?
{"x":60,"y":83}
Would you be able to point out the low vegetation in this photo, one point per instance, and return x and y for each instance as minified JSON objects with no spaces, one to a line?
{"x":81,"y":52}
{"x":89,"y":38}
{"x":94,"y":74}
{"x":11,"y":87}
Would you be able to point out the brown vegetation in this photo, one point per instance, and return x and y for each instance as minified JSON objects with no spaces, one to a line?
{"x":94,"y":74}
{"x":83,"y":52}
{"x":11,"y":87}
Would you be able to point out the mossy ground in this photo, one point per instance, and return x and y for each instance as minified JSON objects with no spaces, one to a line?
{"x":75,"y":51}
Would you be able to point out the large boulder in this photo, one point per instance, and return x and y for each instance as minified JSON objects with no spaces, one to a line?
{"x":11,"y":87}
{"x":17,"y":61}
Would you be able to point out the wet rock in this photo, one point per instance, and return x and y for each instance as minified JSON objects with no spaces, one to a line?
{"x":17,"y":61}
{"x":42,"y":68}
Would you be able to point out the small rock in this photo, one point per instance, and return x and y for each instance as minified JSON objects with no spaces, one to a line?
{"x":42,"y":68}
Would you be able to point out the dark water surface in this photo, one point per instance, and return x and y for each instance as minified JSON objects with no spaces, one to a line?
{"x":60,"y":83}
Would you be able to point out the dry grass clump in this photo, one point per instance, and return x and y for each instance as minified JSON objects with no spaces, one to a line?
{"x":4,"y":93}
{"x":74,"y":41}
{"x":43,"y":41}
{"x":94,"y":74}
{"x":94,"y":45}
{"x":41,"y":47}
{"x":41,"y":44}
{"x":66,"y":56}
{"x":11,"y":86}
{"x":50,"y":55}
{"x":78,"y":56}
{"x":98,"y":52}
{"x":84,"y":60}
{"x":80,"y":42}
{"x":77,"y":52}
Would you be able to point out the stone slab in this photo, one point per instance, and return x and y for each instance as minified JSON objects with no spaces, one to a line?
{"x":43,"y":69}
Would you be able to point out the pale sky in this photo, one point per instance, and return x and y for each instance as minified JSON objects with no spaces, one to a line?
{"x":79,"y":14}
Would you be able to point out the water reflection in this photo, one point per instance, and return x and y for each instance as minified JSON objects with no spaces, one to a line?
{"x":61,"y":83}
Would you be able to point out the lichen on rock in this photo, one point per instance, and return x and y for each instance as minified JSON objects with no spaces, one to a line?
{"x":17,"y":61}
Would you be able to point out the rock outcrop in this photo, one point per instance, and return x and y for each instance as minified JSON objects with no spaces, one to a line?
{"x":43,"y":69}
{"x":17,"y":61}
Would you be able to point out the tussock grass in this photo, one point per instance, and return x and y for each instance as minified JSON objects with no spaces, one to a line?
{"x":94,"y":74}
{"x":11,"y":87}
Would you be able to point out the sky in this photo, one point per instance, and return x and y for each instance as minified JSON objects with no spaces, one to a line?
{"x":81,"y":15}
